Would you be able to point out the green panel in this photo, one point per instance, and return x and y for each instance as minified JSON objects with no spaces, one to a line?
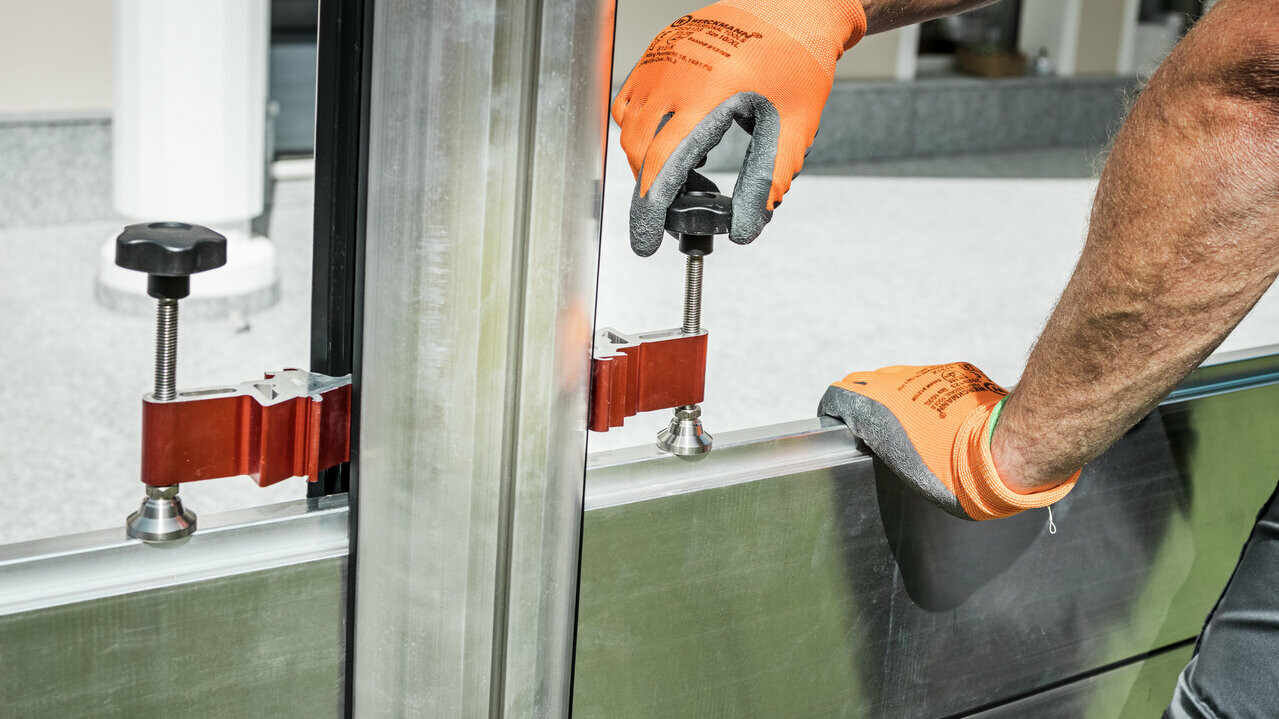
{"x":1139,"y":690}
{"x":264,"y":644}
{"x":830,"y":592}
{"x":753,"y":626}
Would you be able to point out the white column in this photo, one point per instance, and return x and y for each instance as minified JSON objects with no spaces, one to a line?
{"x":189,"y":136}
{"x":1054,"y":25}
{"x":907,"y":53}
{"x":1127,"y":63}
{"x":1152,"y":41}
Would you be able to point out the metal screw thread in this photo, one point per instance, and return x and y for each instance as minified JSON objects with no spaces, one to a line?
{"x":166,"y":349}
{"x":692,"y":295}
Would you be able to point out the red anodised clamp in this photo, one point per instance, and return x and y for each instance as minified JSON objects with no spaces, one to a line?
{"x":639,"y":373}
{"x":293,"y":423}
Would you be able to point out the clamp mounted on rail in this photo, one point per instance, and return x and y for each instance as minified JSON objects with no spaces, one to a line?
{"x":293,"y":423}
{"x":640,"y":373}
{"x":666,"y":369}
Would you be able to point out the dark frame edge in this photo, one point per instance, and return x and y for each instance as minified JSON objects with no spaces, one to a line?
{"x":343,"y":64}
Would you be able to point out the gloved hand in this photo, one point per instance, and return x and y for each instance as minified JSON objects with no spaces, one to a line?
{"x":932,"y":426}
{"x":768,"y":64}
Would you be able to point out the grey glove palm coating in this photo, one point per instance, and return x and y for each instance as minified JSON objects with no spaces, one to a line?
{"x":754,"y":181}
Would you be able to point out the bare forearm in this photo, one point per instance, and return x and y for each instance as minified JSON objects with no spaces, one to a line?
{"x":1183,"y":240}
{"x":882,"y":15}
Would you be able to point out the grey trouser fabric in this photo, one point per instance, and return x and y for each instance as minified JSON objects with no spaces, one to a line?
{"x":1234,"y":673}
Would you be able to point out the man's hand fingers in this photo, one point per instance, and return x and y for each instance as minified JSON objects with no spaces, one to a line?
{"x":670,"y":140}
{"x":623,"y":99}
{"x":792,"y":150}
{"x":648,"y":222}
{"x":697,"y":182}
{"x":748,"y":61}
{"x":682,"y":142}
{"x":642,"y":123}
{"x":755,"y":180}
{"x":766,"y":176}
{"x":618,"y":110}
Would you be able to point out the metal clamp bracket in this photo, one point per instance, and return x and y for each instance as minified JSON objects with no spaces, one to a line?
{"x":293,"y":423}
{"x":639,"y":373}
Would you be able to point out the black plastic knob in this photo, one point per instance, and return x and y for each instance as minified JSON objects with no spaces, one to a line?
{"x":695,"y":217}
{"x":169,"y":252}
{"x":700,"y":213}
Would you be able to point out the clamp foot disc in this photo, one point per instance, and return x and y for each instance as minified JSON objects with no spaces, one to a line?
{"x":161,"y":517}
{"x":684,"y":437}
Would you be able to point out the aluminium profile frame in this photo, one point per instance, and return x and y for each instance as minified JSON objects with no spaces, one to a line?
{"x":485,"y":167}
{"x":246,"y":615}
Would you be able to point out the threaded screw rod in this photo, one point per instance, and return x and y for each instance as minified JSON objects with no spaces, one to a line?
{"x":166,"y":350}
{"x":684,"y":436}
{"x":169,"y":253}
{"x":692,"y":295}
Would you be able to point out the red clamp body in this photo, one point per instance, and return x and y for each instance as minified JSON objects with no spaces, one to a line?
{"x":293,"y":423}
{"x":639,"y":373}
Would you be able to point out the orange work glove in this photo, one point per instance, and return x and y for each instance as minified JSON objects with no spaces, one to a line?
{"x":932,"y":426}
{"x":768,"y":64}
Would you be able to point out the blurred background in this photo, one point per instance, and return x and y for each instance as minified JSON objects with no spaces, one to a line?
{"x":937,"y":218}
{"x":117,"y":112}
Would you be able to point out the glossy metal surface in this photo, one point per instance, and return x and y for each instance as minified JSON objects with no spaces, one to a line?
{"x":684,"y":436}
{"x":161,"y":516}
{"x":788,"y":574}
{"x":244,"y":618}
{"x":485,"y":164}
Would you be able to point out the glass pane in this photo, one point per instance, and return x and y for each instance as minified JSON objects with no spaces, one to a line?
{"x":936,"y":220}
{"x":77,"y":350}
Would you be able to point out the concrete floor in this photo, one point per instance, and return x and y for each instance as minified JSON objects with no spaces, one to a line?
{"x":906,"y":262}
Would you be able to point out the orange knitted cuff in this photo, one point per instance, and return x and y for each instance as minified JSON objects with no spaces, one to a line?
{"x":857,"y":20}
{"x":981,"y":492}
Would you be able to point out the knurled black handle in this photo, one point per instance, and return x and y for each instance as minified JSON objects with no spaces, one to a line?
{"x":169,"y":248}
{"x":699,"y":213}
{"x":169,"y":252}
